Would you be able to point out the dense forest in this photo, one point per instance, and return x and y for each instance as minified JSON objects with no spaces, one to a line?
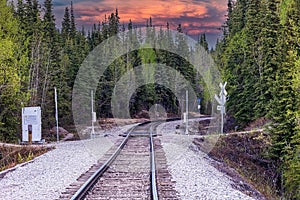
{"x":258,"y":56}
{"x":39,"y":57}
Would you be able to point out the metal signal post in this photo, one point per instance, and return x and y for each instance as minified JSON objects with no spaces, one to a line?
{"x":187,"y":112}
{"x":199,"y":105}
{"x":56,"y":114}
{"x":221,"y":99}
{"x":93,"y":114}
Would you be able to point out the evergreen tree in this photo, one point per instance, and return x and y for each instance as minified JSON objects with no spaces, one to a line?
{"x":73,"y":25}
{"x":265,"y":56}
{"x":54,"y":73}
{"x":150,"y":22}
{"x":286,"y":104}
{"x":240,"y":66}
{"x":49,"y":20}
{"x":259,"y":59}
{"x":21,"y":11}
{"x":180,"y":61}
{"x":105,"y":29}
{"x":179,"y":28}
{"x":66,"y":25}
{"x":130,"y":25}
{"x":237,"y":18}
{"x":250,"y":70}
{"x":203,"y":42}
{"x":114,"y":23}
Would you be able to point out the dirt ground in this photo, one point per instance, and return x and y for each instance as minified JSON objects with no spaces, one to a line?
{"x":243,"y":157}
{"x":12,"y":155}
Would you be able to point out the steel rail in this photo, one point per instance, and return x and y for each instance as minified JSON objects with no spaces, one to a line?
{"x":81,"y":193}
{"x":84,"y":189}
{"x":154,"y":193}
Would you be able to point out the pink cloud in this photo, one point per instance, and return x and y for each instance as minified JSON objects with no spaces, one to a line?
{"x":190,"y":13}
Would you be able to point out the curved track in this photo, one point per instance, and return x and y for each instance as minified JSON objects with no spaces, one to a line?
{"x":136,"y":170}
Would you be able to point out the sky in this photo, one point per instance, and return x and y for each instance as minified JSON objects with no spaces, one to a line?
{"x":195,"y":16}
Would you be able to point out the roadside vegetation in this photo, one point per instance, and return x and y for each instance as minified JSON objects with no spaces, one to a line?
{"x":248,"y":155}
{"x":11,"y":156}
{"x":259,"y":57}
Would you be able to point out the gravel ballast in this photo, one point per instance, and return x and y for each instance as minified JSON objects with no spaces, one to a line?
{"x":195,"y":176}
{"x":50,"y":174}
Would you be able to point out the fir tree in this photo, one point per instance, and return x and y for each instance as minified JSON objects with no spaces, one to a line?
{"x":73,"y":25}
{"x":203,"y":42}
{"x":49,"y":20}
{"x":265,"y":56}
{"x":286,"y":104}
{"x":66,"y":25}
{"x":130,"y":25}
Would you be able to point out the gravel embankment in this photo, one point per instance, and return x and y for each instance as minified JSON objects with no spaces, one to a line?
{"x":192,"y":170}
{"x":51,"y":173}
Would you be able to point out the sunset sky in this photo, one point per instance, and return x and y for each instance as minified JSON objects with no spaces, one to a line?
{"x":196,"y":16}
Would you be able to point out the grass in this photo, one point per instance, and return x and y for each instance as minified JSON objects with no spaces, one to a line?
{"x":12,"y":156}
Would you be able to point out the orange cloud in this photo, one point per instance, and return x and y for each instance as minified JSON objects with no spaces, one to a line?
{"x":138,"y":10}
{"x":196,"y":16}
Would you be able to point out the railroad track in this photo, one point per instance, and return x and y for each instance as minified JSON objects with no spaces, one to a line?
{"x":136,"y":169}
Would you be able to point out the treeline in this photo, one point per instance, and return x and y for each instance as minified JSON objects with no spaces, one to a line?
{"x":35,"y":57}
{"x":259,"y":57}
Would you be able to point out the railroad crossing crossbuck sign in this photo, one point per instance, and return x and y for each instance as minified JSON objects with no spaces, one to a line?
{"x":221,"y":99}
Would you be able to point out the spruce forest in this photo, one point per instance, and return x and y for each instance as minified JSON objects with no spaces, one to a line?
{"x":258,"y":56}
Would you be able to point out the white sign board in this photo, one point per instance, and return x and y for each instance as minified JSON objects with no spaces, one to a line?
{"x":94,"y":117}
{"x":31,"y":123}
{"x":218,"y":100}
{"x":185,"y":117}
{"x":221,"y":108}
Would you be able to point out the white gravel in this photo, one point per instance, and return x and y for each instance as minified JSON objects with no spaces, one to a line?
{"x":195,"y":177}
{"x":50,"y":174}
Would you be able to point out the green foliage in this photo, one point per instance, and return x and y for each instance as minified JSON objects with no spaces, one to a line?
{"x":24,"y":158}
{"x":203,"y":41}
{"x":236,"y":16}
{"x":66,"y":25}
{"x":12,"y":73}
{"x":12,"y":156}
{"x":266,"y":57}
{"x":72,"y":21}
{"x":291,"y":173}
{"x":19,"y":159}
{"x":259,"y":58}
{"x":249,"y":59}
{"x":286,"y":129}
